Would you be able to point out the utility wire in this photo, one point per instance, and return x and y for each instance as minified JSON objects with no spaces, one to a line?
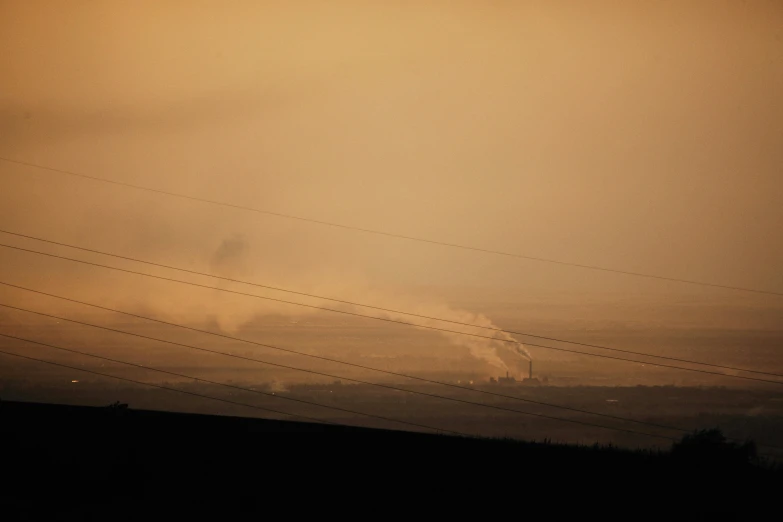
{"x":500,"y":330}
{"x":683,"y":430}
{"x":173,"y":389}
{"x":159,"y":386}
{"x":214,"y":382}
{"x":511,"y":341}
{"x":388,"y":372}
{"x":390,"y":234}
{"x":430,"y":381}
{"x":454,"y":399}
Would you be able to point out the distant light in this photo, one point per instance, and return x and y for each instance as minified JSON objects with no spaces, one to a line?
{"x":74,"y":381}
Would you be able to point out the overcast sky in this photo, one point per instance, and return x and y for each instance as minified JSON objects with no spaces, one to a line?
{"x":639,"y":137}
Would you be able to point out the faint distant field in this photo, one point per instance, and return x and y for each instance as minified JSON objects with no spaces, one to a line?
{"x":756,"y":350}
{"x":414,"y":351}
{"x":740,"y":413}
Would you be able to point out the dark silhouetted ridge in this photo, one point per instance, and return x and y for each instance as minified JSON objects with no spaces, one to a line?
{"x":80,"y":462}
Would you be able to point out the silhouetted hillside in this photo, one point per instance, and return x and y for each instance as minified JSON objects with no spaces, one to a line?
{"x":119,"y":463}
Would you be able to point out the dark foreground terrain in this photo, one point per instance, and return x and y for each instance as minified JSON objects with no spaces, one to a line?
{"x":75,"y":462}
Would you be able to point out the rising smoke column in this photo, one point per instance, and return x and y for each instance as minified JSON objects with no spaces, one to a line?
{"x":232,"y":258}
{"x":487,"y":350}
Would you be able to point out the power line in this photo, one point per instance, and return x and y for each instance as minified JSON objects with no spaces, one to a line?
{"x":336,"y":408}
{"x":422,"y":379}
{"x":158,"y":386}
{"x":349,"y":379}
{"x":512,"y":341}
{"x":500,"y":330}
{"x":338,"y":361}
{"x":185,"y":392}
{"x":417,"y":392}
{"x":390,"y":234}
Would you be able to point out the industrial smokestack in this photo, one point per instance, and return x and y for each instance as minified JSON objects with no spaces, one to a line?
{"x":531,"y":369}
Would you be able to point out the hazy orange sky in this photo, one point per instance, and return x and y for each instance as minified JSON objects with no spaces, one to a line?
{"x":644,"y":136}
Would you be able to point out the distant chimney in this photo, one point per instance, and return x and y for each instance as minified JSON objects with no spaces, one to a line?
{"x":506,"y":374}
{"x":531,"y":369}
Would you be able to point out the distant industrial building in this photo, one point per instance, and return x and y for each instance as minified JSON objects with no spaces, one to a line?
{"x":509,"y":380}
{"x":533,"y":381}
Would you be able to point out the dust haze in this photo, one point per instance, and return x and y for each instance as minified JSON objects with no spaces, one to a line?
{"x":638,"y":136}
